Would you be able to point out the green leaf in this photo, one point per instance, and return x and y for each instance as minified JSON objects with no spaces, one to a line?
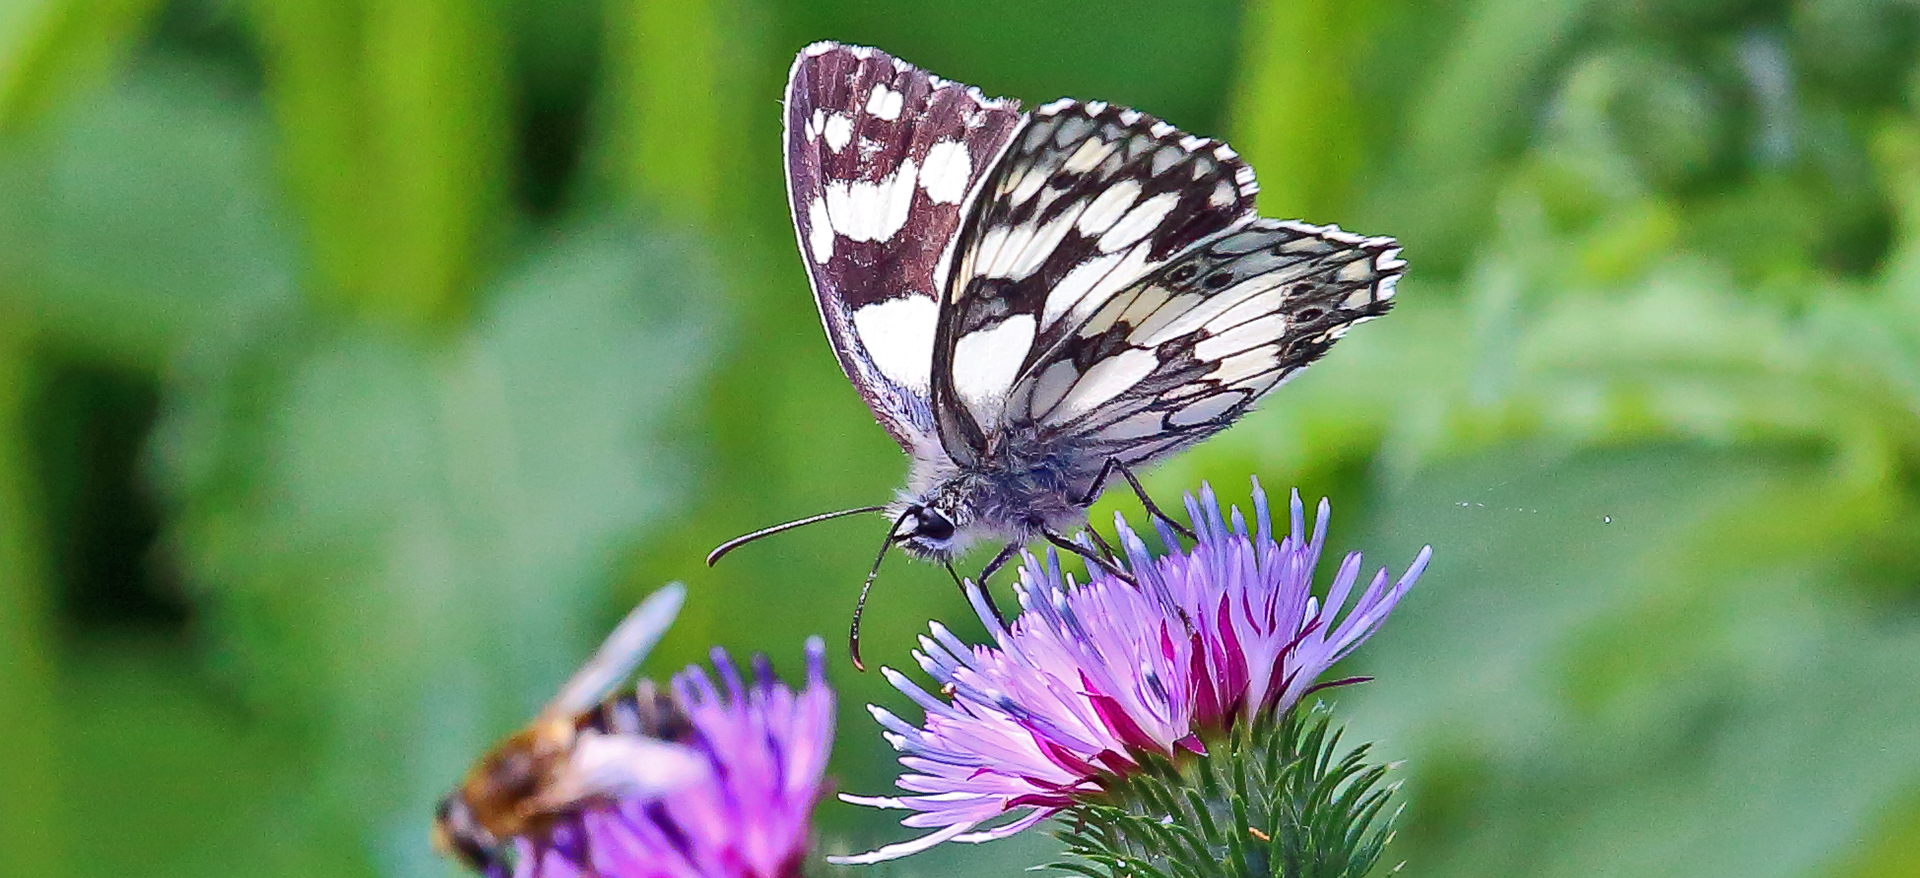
{"x":141,"y":216}
{"x":50,"y":49}
{"x":1643,"y":655}
{"x":405,"y":544}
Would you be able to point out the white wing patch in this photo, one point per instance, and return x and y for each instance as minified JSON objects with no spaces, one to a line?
{"x":1149,"y":327}
{"x":898,"y":334}
{"x":839,"y":131}
{"x":1051,"y":387}
{"x":985,"y":362}
{"x":885,"y":103}
{"x":1208,"y":408}
{"x":1022,"y":248}
{"x":1026,"y":187}
{"x":1089,"y":155}
{"x":1246,"y":364}
{"x":820,"y":230}
{"x":1226,"y":338}
{"x":1223,"y":194}
{"x":1072,"y":288}
{"x":872,"y":211}
{"x":1107,"y":379}
{"x":1139,"y":222}
{"x":947,"y":172}
{"x":1109,"y":207}
{"x":1092,"y":282}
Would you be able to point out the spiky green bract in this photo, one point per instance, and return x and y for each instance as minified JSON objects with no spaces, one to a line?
{"x":1273,"y":798}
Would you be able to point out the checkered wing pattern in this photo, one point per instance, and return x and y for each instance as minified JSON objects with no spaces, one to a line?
{"x":1186,"y":350}
{"x":1087,"y":200}
{"x":882,"y":161}
{"x":1084,"y":282}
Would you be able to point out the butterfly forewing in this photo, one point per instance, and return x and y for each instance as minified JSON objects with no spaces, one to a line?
{"x":1184,"y":352}
{"x":1088,"y":198}
{"x":882,"y":158}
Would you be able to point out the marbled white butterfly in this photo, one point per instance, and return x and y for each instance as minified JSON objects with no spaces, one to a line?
{"x":1034,"y":302}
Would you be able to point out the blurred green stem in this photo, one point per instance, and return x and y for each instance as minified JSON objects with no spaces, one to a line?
{"x":32,"y":808}
{"x":665,"y":71}
{"x":394,"y":137}
{"x":1897,"y":148}
{"x":1296,"y":110}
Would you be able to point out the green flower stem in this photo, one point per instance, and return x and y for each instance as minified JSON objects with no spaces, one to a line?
{"x":28,"y":700}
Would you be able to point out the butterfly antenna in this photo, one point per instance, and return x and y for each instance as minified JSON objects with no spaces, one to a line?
{"x":853,"y":636}
{"x":735,"y":543}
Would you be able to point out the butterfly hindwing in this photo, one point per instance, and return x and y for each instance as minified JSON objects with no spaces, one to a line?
{"x":1087,"y":199}
{"x":1184,"y":352}
{"x":882,"y":158}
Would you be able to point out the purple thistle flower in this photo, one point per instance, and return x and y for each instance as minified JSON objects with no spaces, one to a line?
{"x":749,"y":813}
{"x":1090,"y":678}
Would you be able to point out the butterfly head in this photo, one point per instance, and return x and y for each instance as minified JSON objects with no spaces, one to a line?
{"x":928,"y":532}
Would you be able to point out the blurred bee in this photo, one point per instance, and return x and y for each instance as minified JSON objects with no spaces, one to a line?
{"x":583,"y":749}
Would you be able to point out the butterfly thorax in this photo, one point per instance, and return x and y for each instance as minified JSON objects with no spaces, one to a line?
{"x":1012,"y":495}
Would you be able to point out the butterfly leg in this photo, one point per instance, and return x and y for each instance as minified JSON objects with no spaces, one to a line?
{"x":982,"y":582}
{"x":1101,"y":542}
{"x":1114,"y":465}
{"x":1000,"y":560}
{"x":1090,"y":555}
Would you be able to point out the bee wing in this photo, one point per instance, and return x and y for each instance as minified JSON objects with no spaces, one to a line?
{"x":622,"y":767}
{"x":623,"y":651}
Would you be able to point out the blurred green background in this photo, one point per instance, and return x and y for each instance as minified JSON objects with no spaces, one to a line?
{"x":360,"y":362}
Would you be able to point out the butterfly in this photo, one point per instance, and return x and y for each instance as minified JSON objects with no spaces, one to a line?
{"x":1032,"y":303}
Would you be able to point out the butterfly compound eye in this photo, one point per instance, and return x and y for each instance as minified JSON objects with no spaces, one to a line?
{"x":934,"y":526}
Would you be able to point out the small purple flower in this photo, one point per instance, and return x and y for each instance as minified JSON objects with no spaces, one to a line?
{"x":748,"y":816}
{"x":1089,"y":678}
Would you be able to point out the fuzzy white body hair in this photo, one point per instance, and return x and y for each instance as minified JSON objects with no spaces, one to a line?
{"x":1013,"y":494}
